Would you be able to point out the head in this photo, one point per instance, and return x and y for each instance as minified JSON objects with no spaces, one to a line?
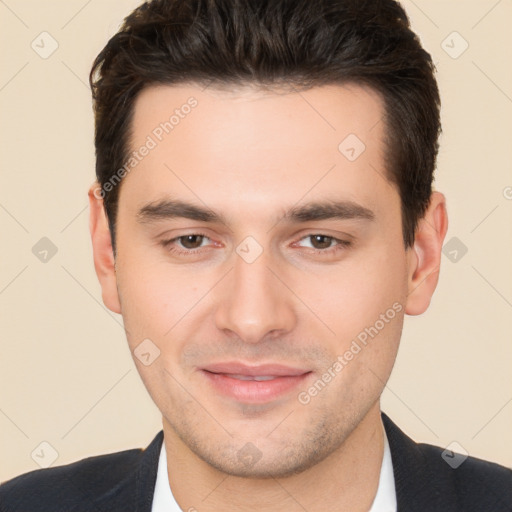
{"x":264,"y":197}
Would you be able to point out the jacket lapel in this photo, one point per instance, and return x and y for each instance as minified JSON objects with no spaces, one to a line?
{"x":145,"y":476}
{"x":421,"y":483}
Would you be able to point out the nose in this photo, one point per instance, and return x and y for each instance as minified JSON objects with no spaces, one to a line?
{"x":253,"y":303}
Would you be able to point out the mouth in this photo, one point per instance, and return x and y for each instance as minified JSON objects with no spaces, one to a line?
{"x":254,"y":384}
{"x":251,"y":377}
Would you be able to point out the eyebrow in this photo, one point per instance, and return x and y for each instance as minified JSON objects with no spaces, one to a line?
{"x":168,"y":209}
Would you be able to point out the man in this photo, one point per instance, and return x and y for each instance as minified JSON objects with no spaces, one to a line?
{"x":263,"y":219}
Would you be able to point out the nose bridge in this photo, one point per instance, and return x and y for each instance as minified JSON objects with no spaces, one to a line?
{"x":254,"y":303}
{"x":252,"y":279}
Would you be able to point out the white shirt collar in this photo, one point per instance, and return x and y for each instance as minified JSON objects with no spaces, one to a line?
{"x":163,"y":500}
{"x":385,"y":499}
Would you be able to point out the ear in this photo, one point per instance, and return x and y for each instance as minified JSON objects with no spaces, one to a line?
{"x":424,"y":257}
{"x":104,"y":261}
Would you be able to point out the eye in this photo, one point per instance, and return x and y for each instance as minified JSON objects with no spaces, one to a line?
{"x":320,"y":243}
{"x":186,"y":244}
{"x":191,"y":241}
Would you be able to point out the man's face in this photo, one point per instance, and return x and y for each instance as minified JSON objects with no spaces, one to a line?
{"x":252,"y":307}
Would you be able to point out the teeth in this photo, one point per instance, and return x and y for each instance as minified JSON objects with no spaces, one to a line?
{"x":252,"y":377}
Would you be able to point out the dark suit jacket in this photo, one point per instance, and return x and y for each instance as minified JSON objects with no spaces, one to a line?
{"x":125,"y":481}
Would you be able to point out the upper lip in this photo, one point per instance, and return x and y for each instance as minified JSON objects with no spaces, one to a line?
{"x":236,"y":368}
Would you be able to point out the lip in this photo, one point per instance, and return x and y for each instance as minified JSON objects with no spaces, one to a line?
{"x":286,"y":378}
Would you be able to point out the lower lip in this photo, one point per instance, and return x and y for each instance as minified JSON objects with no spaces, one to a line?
{"x":254,"y":391}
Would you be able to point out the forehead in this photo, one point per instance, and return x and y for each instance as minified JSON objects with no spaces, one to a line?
{"x":326,"y":113}
{"x":252,"y":148}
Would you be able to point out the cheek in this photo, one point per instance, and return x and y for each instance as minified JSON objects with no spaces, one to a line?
{"x":155,"y":297}
{"x":354,"y":294}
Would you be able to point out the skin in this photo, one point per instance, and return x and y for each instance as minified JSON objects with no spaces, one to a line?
{"x":250,"y":155}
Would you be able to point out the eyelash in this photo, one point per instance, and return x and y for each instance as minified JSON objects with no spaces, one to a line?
{"x":341,"y":244}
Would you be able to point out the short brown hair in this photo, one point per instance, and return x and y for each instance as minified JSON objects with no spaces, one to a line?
{"x":296,"y":43}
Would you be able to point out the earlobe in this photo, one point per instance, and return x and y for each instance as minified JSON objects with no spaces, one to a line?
{"x":104,"y":262}
{"x":424,"y":258}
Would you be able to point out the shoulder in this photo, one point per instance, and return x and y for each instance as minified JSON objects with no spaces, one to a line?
{"x":94,"y":483}
{"x":471,"y":478}
{"x":70,"y":486}
{"x":438,"y":475}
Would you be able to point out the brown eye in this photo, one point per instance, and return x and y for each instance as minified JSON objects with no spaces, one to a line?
{"x":321,"y":244}
{"x":321,"y":241}
{"x":191,"y":241}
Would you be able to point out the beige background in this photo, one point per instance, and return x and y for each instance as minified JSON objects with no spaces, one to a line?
{"x":66,"y":375}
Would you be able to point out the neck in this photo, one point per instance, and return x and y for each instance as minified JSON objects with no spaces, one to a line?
{"x":346,"y":480}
